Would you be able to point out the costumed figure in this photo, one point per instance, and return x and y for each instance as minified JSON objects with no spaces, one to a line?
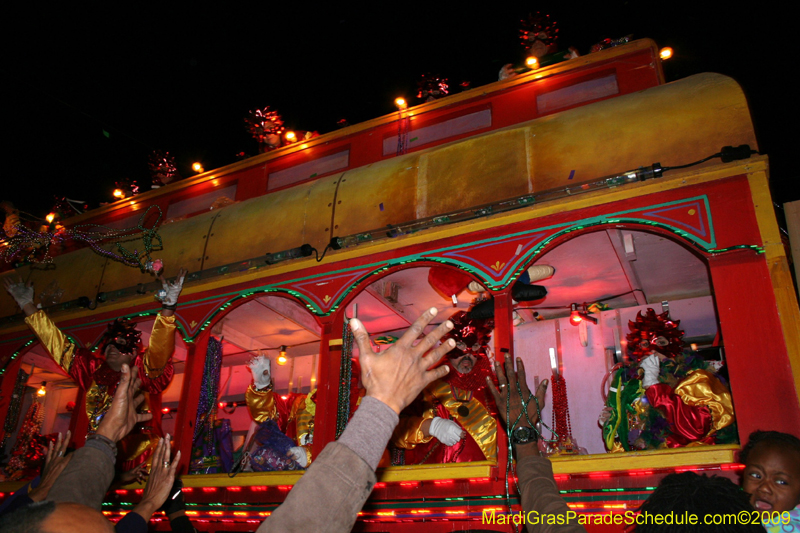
{"x":458,"y":421}
{"x":538,"y":36}
{"x":266,"y":127}
{"x":271,"y":449}
{"x":97,"y":377}
{"x":300,"y":425}
{"x":665,"y":396}
{"x":432,"y":87}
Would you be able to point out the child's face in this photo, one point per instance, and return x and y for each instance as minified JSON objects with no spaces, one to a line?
{"x":772,"y":477}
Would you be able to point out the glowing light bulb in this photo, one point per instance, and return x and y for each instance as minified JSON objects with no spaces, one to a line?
{"x":119,"y":193}
{"x":50,"y":217}
{"x":575,"y":317}
{"x":197,"y":167}
{"x":42,"y":389}
{"x":282,"y":359}
{"x":665,"y":53}
{"x":401,"y":103}
{"x":531,"y":62}
{"x":290,"y":136}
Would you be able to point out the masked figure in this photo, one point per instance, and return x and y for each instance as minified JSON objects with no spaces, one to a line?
{"x":457,"y":423}
{"x":98,"y":376}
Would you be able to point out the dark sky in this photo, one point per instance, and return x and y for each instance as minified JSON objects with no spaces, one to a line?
{"x":181,"y":80}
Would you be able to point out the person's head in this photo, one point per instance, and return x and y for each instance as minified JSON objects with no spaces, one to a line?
{"x":471,"y":336}
{"x":51,"y":517}
{"x":771,"y":473}
{"x":121,"y":343}
{"x":698,"y":495}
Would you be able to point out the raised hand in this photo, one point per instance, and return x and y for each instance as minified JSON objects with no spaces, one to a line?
{"x":22,"y":294}
{"x":162,"y":476}
{"x":508,"y":399}
{"x":173,"y":289}
{"x":399,"y":374}
{"x":122,"y":416}
{"x":54,"y":463}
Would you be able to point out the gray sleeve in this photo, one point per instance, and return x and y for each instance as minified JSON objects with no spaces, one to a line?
{"x":370,"y":429}
{"x":331,"y":493}
{"x":328,"y":497}
{"x":87,"y":477}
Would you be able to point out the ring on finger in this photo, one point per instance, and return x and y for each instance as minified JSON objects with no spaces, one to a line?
{"x":166,"y":464}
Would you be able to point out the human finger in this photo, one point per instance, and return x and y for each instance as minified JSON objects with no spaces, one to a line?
{"x":511,"y":375}
{"x":437,"y":373}
{"x":361,"y":336}
{"x":541,"y":392}
{"x":173,"y":468}
{"x":49,"y":455}
{"x":138,"y":399}
{"x":167,"y":448}
{"x":500,"y":372}
{"x":64,"y":444}
{"x":431,"y":340}
{"x":158,"y":456}
{"x":498,"y":400}
{"x":143,"y":417}
{"x":417,"y":327}
{"x":435,"y":355}
{"x":522,"y":379}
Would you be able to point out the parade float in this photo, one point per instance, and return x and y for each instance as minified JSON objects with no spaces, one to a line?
{"x":648,"y":200}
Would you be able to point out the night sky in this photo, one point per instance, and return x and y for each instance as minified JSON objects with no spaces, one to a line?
{"x":181,"y":80}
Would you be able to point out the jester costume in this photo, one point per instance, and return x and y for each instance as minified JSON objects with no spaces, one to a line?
{"x":462,"y":398}
{"x":99,"y":381}
{"x":678,"y":401}
{"x":269,"y":411}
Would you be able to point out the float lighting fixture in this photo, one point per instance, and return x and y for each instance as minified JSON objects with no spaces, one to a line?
{"x":282,"y":357}
{"x":197,"y":167}
{"x":574,"y":315}
{"x":401,"y":103}
{"x":665,"y":53}
{"x":532,"y":62}
{"x":119,"y":193}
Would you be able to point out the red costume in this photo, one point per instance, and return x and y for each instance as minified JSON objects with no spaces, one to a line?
{"x":462,"y":398}
{"x":99,"y":380}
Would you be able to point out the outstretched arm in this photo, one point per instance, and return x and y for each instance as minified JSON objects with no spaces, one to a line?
{"x":91,"y":469}
{"x":335,"y":487}
{"x":53,"y":340}
{"x":162,"y":339}
{"x":538,"y":489}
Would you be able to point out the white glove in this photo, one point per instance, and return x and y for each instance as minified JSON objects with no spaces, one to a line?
{"x":447,"y":431}
{"x":172,"y":289}
{"x":651,"y":366}
{"x":298,"y":453}
{"x":22,"y":293}
{"x":260,"y":367}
